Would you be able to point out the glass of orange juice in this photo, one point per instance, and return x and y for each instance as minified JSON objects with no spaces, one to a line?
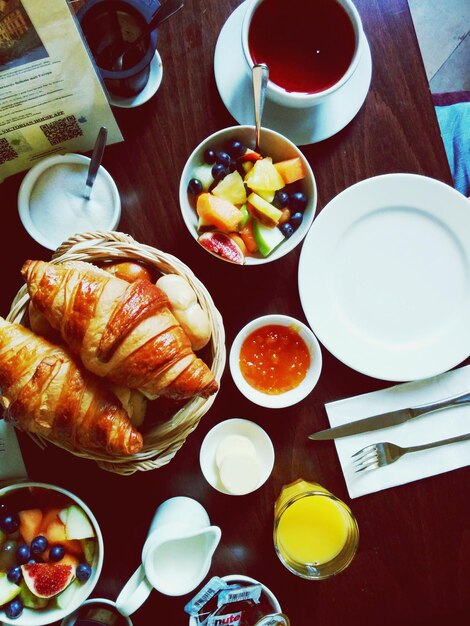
{"x":315,"y":534}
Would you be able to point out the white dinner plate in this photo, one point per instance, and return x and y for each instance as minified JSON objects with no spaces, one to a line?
{"x":301,"y":125}
{"x":384,"y":277}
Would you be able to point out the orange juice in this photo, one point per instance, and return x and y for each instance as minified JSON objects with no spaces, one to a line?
{"x":313,"y":530}
{"x":315,"y":534}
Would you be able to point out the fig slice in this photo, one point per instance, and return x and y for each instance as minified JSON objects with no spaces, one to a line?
{"x":222,"y":246}
{"x":46,"y":580}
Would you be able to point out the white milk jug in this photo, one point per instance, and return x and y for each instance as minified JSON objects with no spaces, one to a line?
{"x":176,"y":555}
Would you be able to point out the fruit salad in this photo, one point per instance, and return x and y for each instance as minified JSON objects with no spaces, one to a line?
{"x":246,"y":204}
{"x":47,"y":550}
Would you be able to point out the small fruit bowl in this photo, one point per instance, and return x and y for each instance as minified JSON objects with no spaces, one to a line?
{"x":246,"y":207}
{"x":54,"y":528}
{"x":289,"y":353}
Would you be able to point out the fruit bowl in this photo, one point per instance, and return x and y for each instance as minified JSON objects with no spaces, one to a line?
{"x":252,"y":230}
{"x":41,"y":508}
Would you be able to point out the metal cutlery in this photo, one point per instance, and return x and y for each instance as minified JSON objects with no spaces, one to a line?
{"x":166,"y":10}
{"x":95,"y":161}
{"x":260,"y":77}
{"x":391,"y":418}
{"x":385,"y":453}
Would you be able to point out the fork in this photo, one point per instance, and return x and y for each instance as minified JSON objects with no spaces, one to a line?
{"x":385,"y":453}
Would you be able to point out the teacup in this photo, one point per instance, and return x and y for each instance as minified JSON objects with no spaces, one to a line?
{"x":307,"y":67}
{"x":106,"y":25}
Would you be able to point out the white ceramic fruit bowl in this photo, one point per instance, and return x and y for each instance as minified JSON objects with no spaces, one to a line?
{"x":40,"y":617}
{"x":287,"y":398}
{"x":272,"y":144}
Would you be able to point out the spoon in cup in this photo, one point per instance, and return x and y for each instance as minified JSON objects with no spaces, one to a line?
{"x":161,"y":14}
{"x":95,"y":161}
{"x":260,"y":76}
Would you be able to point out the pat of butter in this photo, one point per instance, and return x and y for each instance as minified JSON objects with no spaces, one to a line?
{"x":234,"y":444}
{"x":240,"y":473}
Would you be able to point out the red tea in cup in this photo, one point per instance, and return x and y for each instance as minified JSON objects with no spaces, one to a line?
{"x":308,"y":45}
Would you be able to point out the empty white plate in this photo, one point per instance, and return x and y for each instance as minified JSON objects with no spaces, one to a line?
{"x":384,"y":277}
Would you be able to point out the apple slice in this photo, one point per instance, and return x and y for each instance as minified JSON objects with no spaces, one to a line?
{"x":266,"y":238}
{"x":8,"y":590}
{"x":89,"y":549}
{"x":265,"y":212}
{"x":65,"y":598}
{"x":204,"y":175}
{"x":77,"y":525}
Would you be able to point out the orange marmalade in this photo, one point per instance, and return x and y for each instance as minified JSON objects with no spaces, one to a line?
{"x":274,"y":359}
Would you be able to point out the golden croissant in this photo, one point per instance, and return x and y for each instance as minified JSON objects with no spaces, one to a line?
{"x":123,"y":331}
{"x":44,"y":391}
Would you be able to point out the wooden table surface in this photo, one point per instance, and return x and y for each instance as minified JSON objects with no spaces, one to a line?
{"x":412,"y":563}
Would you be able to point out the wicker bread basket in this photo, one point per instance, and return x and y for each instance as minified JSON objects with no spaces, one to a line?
{"x":165,"y":439}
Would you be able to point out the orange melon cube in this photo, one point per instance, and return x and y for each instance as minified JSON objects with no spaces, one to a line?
{"x":55,"y":532}
{"x":30,"y":523}
{"x":48,"y":517}
{"x":73,"y":546}
{"x":246,"y":234}
{"x":239,"y":241}
{"x":291,"y":170}
{"x":218,"y":212}
{"x":70,"y":559}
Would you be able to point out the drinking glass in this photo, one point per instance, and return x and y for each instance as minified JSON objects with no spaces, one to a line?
{"x":315,"y":534}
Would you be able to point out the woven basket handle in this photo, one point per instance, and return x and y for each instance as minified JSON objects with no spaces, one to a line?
{"x":106,"y":236}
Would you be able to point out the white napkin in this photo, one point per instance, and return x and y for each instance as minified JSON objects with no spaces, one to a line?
{"x":431,"y":427}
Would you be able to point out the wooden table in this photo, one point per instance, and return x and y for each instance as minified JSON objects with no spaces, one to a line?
{"x":412,"y":563}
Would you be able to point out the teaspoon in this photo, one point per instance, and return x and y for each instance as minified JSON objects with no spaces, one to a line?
{"x":260,"y":76}
{"x":161,"y":14}
{"x":95,"y":161}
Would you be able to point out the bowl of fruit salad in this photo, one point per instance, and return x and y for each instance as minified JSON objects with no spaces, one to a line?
{"x":243,"y":206}
{"x":51,"y":553}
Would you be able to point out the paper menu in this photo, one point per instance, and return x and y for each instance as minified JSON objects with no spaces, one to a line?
{"x":51,"y":97}
{"x":12,"y":468}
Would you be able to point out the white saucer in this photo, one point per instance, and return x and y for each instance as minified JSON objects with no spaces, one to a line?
{"x":236,"y":426}
{"x":150,"y":89}
{"x":301,"y":126}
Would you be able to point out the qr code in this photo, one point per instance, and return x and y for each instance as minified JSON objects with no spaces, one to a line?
{"x":19,"y":143}
{"x":62,"y":130}
{"x":7,"y":152}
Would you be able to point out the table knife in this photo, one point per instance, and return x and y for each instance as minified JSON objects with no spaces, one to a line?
{"x":391,"y":418}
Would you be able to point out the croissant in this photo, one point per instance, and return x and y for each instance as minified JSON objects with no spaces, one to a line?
{"x":45,"y":392}
{"x":134,"y":403}
{"x":123,"y":331}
